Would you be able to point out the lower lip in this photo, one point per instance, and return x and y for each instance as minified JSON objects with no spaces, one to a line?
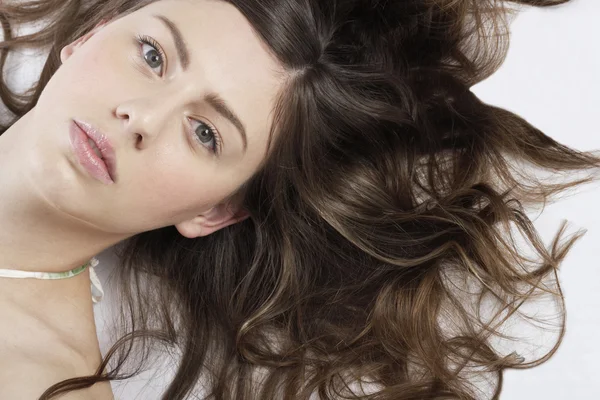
{"x":86,"y":156}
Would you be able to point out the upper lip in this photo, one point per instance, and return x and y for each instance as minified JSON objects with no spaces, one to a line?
{"x":103,"y":144}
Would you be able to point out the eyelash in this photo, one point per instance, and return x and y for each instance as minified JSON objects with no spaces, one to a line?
{"x":144,"y":39}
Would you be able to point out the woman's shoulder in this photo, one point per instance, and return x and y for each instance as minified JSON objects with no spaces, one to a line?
{"x":35,"y":353}
{"x":25,"y":377}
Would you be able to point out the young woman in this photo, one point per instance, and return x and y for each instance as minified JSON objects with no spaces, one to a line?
{"x":299,"y":190}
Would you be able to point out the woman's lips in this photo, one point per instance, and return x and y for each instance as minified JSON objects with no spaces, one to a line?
{"x":103,"y":144}
{"x":86,"y":156}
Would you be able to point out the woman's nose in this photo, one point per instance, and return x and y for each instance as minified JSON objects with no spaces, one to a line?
{"x":143,"y":119}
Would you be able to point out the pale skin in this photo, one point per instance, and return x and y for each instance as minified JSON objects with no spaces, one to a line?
{"x":55,"y":216}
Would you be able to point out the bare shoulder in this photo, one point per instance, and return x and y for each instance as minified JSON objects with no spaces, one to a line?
{"x":28,"y":379}
{"x":33,"y":358}
{"x":43,"y":344}
{"x":99,"y":391}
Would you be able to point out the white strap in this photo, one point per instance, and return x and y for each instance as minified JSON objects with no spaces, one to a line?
{"x":15,"y":273}
{"x":97,"y":291}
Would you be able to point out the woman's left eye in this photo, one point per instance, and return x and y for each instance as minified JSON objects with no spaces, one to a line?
{"x":151,"y":52}
{"x":205,"y":134}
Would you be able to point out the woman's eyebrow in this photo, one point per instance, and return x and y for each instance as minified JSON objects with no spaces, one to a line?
{"x":182,"y":50}
{"x":216,"y":101}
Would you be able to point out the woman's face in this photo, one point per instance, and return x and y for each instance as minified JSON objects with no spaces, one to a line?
{"x":158,"y":112}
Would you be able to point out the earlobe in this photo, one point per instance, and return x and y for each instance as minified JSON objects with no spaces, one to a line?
{"x":216,"y":218}
{"x":67,"y":51}
{"x":190,"y":229}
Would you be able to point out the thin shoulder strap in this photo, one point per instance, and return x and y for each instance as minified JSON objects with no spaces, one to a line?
{"x":97,"y":291}
{"x":15,"y":273}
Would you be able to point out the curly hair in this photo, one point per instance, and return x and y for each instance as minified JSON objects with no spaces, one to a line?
{"x":381,"y":222}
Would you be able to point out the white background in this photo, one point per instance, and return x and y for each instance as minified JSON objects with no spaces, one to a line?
{"x":550,"y":78}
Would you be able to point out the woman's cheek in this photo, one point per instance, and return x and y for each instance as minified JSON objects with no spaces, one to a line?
{"x":97,"y":67}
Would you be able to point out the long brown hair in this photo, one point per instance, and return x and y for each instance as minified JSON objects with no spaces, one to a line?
{"x":393,"y":189}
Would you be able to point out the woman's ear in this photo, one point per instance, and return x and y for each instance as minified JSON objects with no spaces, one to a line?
{"x":212,"y":220}
{"x":68,"y":50}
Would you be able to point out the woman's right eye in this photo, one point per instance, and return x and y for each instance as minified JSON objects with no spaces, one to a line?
{"x":152,"y":53}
